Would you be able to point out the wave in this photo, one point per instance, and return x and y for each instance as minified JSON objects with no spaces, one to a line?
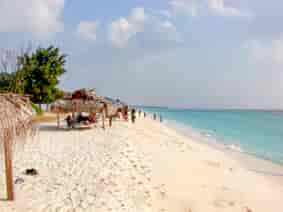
{"x":235,"y":148}
{"x":208,"y":134}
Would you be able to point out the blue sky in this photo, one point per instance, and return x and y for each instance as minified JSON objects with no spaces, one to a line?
{"x":182,"y":53}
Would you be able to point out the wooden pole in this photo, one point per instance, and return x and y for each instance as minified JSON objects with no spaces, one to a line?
{"x":103,"y":119}
{"x":8,"y":166}
{"x":58,"y":120}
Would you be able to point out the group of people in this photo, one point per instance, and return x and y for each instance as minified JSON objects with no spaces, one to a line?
{"x":140,"y":114}
{"x":80,"y":119}
{"x":144,"y":115}
{"x":133,"y":114}
{"x":155,"y":117}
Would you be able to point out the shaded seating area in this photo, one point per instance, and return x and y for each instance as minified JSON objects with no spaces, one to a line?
{"x":80,"y":120}
{"x":16,"y":115}
{"x":84,"y":109}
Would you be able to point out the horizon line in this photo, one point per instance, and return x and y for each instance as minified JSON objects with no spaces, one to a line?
{"x":211,"y":108}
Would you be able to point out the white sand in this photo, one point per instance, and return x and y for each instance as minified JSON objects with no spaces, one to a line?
{"x":142,"y":167}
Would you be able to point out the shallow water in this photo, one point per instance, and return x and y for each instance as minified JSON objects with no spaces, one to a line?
{"x":258,"y":133}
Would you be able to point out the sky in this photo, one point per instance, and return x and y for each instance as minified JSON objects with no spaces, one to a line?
{"x":178,"y":53}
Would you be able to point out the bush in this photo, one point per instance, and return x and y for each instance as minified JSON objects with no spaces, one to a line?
{"x":37,"y":109}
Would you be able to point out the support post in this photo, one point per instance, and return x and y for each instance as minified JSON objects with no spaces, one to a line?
{"x":58,"y":120}
{"x":103,"y":120}
{"x":8,"y":166}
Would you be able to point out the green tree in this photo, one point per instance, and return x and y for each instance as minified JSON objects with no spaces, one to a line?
{"x":5,"y":81}
{"x":11,"y":79}
{"x":39,"y":73}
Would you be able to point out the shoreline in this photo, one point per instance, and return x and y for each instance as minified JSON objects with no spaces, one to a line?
{"x":218,"y":140}
{"x":250,"y":165}
{"x":251,"y":162}
{"x":141,"y":167}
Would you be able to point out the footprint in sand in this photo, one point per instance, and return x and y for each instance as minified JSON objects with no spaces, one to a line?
{"x":133,"y":178}
{"x":212,"y":163}
{"x":132,"y":161}
{"x":140,"y":183}
{"x":134,"y":166}
{"x":223,"y":203}
{"x":248,"y":209}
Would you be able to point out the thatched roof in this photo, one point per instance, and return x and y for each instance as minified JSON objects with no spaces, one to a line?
{"x":76,"y":105}
{"x":81,"y":105}
{"x":83,"y":100}
{"x":15,"y":116}
{"x":86,"y":100}
{"x":86,"y":94}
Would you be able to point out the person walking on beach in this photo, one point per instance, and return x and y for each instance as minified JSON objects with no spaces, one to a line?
{"x":144,"y":114}
{"x":133,"y":115}
{"x":154,"y":116}
{"x":110,"y":121}
{"x":70,"y":122}
{"x":160,"y":118}
{"x":125,"y":112}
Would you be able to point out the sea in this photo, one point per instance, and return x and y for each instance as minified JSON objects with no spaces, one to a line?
{"x":253,"y":132}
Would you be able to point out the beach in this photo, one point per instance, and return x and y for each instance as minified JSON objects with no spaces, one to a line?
{"x":146,"y":166}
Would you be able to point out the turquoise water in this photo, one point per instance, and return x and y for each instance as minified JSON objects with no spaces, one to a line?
{"x":259,"y":133}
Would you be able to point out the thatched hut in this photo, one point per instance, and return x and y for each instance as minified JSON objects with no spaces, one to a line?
{"x":82,"y":100}
{"x":113,"y":106}
{"x":86,"y":100}
{"x":15,"y":122}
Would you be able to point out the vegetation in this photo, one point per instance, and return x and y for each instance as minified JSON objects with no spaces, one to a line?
{"x":36,"y":74}
{"x":5,"y":81}
{"x":37,"y":109}
{"x":41,"y":71}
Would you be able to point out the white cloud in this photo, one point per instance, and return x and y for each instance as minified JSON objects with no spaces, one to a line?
{"x":261,"y":51}
{"x":120,"y":32}
{"x":138,"y":16}
{"x":198,"y":7}
{"x":168,"y":25}
{"x":41,"y":18}
{"x":153,"y":26}
{"x":123,"y":29}
{"x":185,"y":7}
{"x":218,"y":7}
{"x":168,"y":31}
{"x":87,"y":30}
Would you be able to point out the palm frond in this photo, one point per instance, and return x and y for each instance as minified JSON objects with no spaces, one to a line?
{"x":16,"y":116}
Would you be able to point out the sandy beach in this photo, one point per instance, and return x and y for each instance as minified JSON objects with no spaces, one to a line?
{"x":142,"y":167}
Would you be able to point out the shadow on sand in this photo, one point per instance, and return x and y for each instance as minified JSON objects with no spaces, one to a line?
{"x":5,"y":200}
{"x":63,"y":128}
